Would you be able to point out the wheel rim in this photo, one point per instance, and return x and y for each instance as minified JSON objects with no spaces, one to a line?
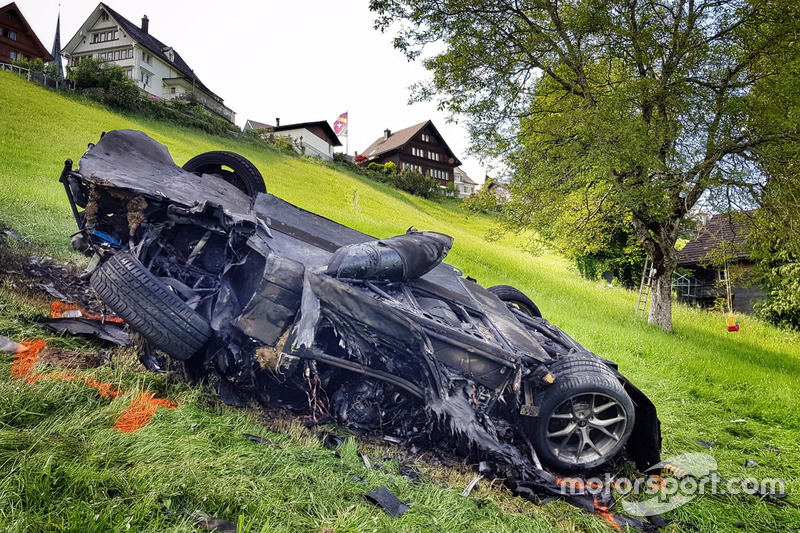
{"x":522,"y":307}
{"x":231,"y":177}
{"x":586,"y":428}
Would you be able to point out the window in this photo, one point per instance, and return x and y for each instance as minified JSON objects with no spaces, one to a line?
{"x":413,"y":167}
{"x":419,"y":152}
{"x":146,"y":58}
{"x":145,"y":79}
{"x":109,"y":35}
{"x":433,"y":155}
{"x":172,"y":90}
{"x":13,"y":55}
{"x":12,"y":35}
{"x":103,"y":15}
{"x":116,"y":35}
{"x":426,"y":138}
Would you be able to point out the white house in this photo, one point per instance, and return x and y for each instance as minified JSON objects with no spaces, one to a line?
{"x":158,"y":69}
{"x":315,"y":139}
{"x":463,"y":183}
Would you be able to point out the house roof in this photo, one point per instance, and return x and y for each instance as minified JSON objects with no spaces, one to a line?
{"x":328,"y":135}
{"x":255,"y":125}
{"x":465,"y":179}
{"x":399,"y":139}
{"x":43,"y":53}
{"x":720,"y":230}
{"x":156,"y":47}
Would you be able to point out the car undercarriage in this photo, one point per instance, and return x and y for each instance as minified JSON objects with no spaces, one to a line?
{"x":275,"y":304}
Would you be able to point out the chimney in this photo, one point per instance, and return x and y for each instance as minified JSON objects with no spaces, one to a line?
{"x":386,"y":134}
{"x":145,"y":24}
{"x":277,"y":121}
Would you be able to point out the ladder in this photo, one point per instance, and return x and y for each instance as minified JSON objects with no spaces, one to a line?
{"x":645,"y":286}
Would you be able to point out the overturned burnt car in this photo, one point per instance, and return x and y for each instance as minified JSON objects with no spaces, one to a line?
{"x":264,"y":298}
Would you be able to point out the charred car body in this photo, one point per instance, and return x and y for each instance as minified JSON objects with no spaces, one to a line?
{"x":264,"y":297}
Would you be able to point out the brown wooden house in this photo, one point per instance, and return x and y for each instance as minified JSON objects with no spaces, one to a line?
{"x":17,"y":39}
{"x":715,"y":254}
{"x":420,"y":148}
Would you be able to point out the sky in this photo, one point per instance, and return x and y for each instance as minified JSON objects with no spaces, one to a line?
{"x":299,"y":60}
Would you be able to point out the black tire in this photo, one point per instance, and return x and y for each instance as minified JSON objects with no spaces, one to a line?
{"x":585,"y":417}
{"x":242,"y":174}
{"x":139,"y":298}
{"x":514,"y":297}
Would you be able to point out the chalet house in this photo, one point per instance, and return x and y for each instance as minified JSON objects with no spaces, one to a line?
{"x":17,"y":40}
{"x":420,"y":148}
{"x":499,"y":190}
{"x":160,"y":72}
{"x":464,"y":183}
{"x":315,"y":139}
{"x":714,"y":255}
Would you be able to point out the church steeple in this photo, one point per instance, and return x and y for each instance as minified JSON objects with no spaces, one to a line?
{"x":56,"y":53}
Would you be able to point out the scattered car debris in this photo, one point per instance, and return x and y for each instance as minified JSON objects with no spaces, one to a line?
{"x":472,"y":484}
{"x":51,"y":290}
{"x":209,"y":523}
{"x":274,"y":304}
{"x":365,"y":458}
{"x":110,"y":332}
{"x":390,"y":503}
{"x":750,"y":463}
{"x":332,"y":441}
{"x":8,"y":346}
{"x":256,"y":438}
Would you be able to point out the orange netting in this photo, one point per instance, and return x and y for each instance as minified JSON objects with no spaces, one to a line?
{"x":59,"y":309}
{"x":26,"y":356}
{"x":106,"y":390}
{"x":137,"y":415}
{"x":607,"y":515}
{"x":141,"y":410}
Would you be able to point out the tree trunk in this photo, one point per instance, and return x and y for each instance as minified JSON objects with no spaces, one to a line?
{"x":661,"y":300}
{"x":660,"y":246}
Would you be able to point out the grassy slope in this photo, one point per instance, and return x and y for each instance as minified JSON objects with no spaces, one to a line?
{"x":701,"y":378}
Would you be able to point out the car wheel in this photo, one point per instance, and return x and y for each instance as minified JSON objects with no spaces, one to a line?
{"x":585,"y":417}
{"x":231,"y":167}
{"x":512,"y":296}
{"x":144,"y":302}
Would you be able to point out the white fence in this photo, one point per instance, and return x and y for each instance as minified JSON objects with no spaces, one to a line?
{"x":41,"y":79}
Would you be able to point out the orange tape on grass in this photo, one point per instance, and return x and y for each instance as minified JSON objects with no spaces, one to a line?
{"x":136,"y":416}
{"x":26,"y":356}
{"x":141,"y":410}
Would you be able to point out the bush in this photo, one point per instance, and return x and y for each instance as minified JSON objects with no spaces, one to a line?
{"x":782,"y":284}
{"x":417,"y":184}
{"x":121,"y":95}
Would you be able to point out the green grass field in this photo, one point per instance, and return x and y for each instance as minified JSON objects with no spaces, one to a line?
{"x":66,"y":469}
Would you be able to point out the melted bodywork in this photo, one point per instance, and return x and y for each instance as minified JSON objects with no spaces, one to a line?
{"x":292,"y":308}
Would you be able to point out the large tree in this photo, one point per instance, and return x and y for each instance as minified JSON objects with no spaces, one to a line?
{"x":608,"y":112}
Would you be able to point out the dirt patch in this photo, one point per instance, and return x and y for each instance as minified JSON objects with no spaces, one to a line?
{"x":27,"y":271}
{"x":69,"y":359}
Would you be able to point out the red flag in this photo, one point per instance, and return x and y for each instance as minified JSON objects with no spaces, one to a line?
{"x":340,"y":126}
